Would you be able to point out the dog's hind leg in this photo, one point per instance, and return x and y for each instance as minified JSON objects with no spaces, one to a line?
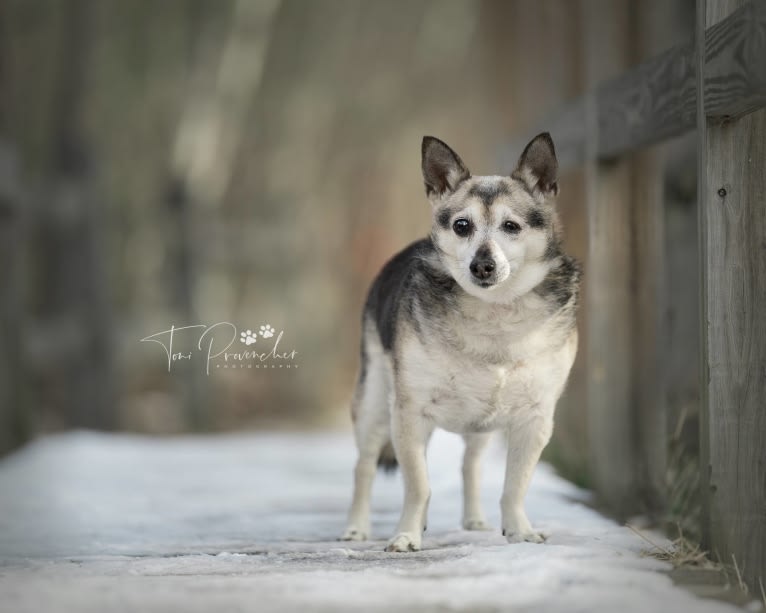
{"x":473,"y":516}
{"x":370,"y":412}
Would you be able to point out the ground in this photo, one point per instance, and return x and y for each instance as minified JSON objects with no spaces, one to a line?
{"x":96,"y":522}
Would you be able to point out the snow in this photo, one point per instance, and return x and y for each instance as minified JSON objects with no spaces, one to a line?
{"x":96,"y":522}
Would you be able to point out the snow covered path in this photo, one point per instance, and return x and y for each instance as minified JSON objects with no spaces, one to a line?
{"x":95,"y":522}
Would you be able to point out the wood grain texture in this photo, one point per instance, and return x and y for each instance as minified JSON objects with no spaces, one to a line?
{"x":732,"y":212}
{"x":656,"y":100}
{"x":735,"y":61}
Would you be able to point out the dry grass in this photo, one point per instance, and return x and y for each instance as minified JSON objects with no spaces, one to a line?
{"x":742,"y":585}
{"x":741,"y":582}
{"x":683,"y":517}
{"x":685,"y":554}
{"x":682,"y":552}
{"x":684,"y":501}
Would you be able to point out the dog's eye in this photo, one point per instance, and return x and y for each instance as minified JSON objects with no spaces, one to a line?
{"x":511,"y":227}
{"x":462,"y":227}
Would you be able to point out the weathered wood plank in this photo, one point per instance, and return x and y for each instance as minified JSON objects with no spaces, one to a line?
{"x":625,"y":291}
{"x":732,"y":190}
{"x":735,"y":62}
{"x":608,"y":299}
{"x":648,"y":104}
{"x":648,"y":301}
{"x":657,"y":25}
{"x":657,"y":99}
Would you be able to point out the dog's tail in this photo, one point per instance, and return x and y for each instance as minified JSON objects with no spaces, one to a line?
{"x":387,"y":458}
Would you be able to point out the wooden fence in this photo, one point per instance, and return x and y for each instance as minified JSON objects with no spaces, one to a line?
{"x":718,"y":86}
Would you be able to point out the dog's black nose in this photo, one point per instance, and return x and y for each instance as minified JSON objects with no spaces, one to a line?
{"x":482,"y":268}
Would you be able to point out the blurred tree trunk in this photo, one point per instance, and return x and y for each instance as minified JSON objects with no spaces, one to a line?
{"x":207,"y":141}
{"x":13,"y":426}
{"x":72,"y":347}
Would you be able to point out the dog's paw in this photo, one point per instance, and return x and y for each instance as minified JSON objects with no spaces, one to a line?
{"x":476,"y":523}
{"x":517,"y":529}
{"x":524,"y":537}
{"x":404,"y":542}
{"x":353,"y":533}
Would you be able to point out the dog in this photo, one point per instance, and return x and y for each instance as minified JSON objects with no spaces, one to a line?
{"x":471,"y":330}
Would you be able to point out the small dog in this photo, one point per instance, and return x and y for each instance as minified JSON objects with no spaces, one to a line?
{"x":471,"y":330}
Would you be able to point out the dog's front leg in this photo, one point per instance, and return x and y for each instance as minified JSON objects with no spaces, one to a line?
{"x":525,"y":444}
{"x":473,"y":516}
{"x":409,"y":433}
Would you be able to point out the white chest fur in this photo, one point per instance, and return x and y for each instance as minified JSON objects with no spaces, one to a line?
{"x":488,"y":370}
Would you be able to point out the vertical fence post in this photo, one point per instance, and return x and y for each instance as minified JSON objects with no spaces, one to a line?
{"x":608,"y":298}
{"x":648,"y":311}
{"x":655,"y":24}
{"x":732,"y":226}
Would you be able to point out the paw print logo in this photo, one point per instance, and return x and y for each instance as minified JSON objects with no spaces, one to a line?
{"x":267,"y":331}
{"x":248,"y":337}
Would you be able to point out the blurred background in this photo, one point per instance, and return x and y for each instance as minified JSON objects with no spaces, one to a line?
{"x":257,"y":161}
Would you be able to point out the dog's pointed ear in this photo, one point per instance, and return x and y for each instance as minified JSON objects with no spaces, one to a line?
{"x":538,"y":167}
{"x":443,"y":170}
